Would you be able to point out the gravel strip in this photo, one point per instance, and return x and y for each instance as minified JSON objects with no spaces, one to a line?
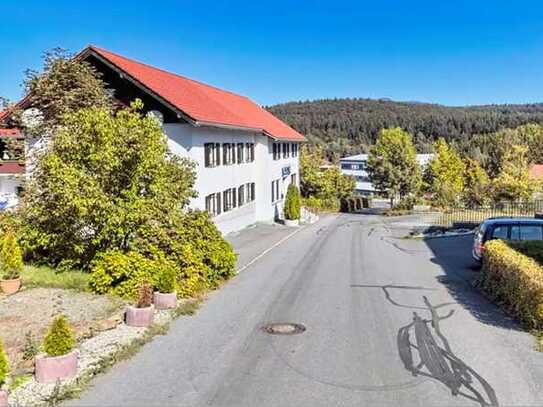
{"x":92,"y":353}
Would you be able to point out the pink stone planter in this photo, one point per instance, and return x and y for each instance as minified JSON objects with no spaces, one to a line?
{"x":140,"y":317}
{"x":3,"y":398}
{"x":165,"y":301}
{"x":10,"y":286}
{"x":50,"y":369}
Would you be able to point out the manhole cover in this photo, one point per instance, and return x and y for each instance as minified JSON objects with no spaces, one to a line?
{"x":283,"y":328}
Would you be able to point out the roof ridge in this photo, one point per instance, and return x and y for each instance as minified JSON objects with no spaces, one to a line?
{"x":99,"y":49}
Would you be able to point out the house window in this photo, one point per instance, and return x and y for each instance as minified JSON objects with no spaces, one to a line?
{"x":294,"y":150}
{"x":249,"y":152}
{"x":241,"y":195}
{"x":240,"y":153}
{"x":227,"y":200}
{"x":227,"y":154}
{"x":293,"y":179}
{"x":213,"y":204}
{"x":234,"y":197}
{"x":285,"y":150}
{"x":276,"y":151}
{"x":250,"y":191}
{"x":212,"y":154}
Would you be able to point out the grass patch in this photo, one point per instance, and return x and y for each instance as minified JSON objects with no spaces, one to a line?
{"x":46,"y":277}
{"x":19,"y":380}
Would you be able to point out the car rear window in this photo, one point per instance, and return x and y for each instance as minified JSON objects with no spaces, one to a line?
{"x":500,"y":232}
{"x":531,"y":232}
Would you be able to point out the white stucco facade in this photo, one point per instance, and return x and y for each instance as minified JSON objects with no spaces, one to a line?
{"x":189,"y":141}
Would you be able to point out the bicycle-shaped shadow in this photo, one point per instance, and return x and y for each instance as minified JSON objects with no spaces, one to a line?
{"x":425,"y":351}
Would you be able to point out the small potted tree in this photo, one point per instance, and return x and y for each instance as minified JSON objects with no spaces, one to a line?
{"x":292,"y":206}
{"x":141,"y":315}
{"x":4,"y":369}
{"x":60,"y":359}
{"x":11,"y":263}
{"x":165,"y":296}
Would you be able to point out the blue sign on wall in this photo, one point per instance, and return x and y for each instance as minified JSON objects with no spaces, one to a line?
{"x":285,"y":171}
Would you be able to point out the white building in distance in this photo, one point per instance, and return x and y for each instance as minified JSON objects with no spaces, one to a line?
{"x":355,"y":166}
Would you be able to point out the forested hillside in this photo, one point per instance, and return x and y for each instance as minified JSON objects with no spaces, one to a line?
{"x":347,"y":126}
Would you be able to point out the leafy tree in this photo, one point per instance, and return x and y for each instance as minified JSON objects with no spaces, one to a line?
{"x":444,"y":176}
{"x":327,"y":183}
{"x":292,"y":203}
{"x":60,"y":338}
{"x":513,"y":182}
{"x":532,"y":135}
{"x":101,"y":181}
{"x":392,"y":164}
{"x":65,"y":85}
{"x":476,"y":184}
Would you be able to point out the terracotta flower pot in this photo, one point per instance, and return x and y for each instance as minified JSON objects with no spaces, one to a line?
{"x":10,"y":286}
{"x":291,"y":223}
{"x":49,"y":369}
{"x":3,"y":398}
{"x":140,"y":317}
{"x":165,"y":301}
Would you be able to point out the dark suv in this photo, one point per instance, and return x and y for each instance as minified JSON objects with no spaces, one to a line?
{"x":506,"y":229}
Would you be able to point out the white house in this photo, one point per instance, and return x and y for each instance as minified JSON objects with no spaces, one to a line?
{"x":246,"y":157}
{"x":355,"y":166}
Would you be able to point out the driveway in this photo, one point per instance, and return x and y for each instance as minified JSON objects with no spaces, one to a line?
{"x":389,"y":321}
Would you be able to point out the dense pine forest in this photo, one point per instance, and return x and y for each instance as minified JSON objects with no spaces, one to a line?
{"x":348,"y":126}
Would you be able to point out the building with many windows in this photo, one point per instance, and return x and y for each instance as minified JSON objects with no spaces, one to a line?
{"x":246,"y":157}
{"x":355,"y":166}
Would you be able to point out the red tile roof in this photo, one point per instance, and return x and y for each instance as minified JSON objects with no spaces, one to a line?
{"x":10,"y":132}
{"x":11,"y":167}
{"x":536,"y":170}
{"x":204,"y":104}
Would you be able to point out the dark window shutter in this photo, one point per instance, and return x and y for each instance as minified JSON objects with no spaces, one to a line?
{"x":207,"y":154}
{"x":217,"y":154}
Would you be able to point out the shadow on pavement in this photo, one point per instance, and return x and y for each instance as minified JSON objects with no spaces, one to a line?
{"x":453,"y":255}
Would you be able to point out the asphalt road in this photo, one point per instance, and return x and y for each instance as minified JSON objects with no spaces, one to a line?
{"x":388,"y":321}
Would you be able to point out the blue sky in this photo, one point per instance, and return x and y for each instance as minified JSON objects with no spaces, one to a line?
{"x":451,"y":52}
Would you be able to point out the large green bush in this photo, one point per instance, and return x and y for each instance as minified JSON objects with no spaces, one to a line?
{"x":197,"y":247}
{"x":103,"y":178}
{"x":60,"y":339}
{"x":515,"y":281}
{"x":191,"y":244}
{"x":121,"y":273}
{"x":4,"y":365}
{"x":11,"y":257}
{"x":292,"y":203}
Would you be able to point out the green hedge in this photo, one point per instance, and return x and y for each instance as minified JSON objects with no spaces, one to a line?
{"x":515,"y":281}
{"x":533,"y":249}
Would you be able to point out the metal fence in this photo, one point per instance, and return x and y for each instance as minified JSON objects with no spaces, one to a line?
{"x":467,"y":217}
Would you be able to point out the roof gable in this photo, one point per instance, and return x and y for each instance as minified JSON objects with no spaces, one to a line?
{"x":204,"y":104}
